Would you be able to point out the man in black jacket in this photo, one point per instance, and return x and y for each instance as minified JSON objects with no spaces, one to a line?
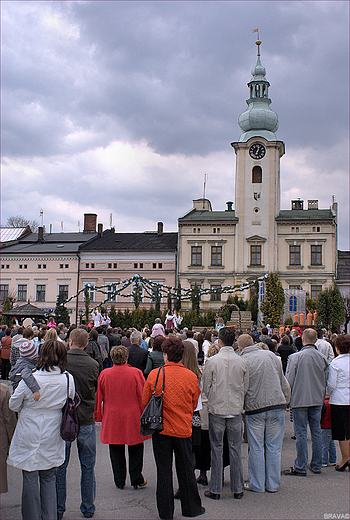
{"x":137,"y":355}
{"x":85,"y":371}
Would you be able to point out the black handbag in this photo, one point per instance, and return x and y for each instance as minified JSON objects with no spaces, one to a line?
{"x":69,"y":424}
{"x":152,"y":417}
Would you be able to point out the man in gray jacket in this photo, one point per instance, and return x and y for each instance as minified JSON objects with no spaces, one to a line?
{"x":307,"y":372}
{"x":225,"y":383}
{"x":264,"y":404}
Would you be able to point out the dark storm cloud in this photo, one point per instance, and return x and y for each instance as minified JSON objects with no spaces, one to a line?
{"x":169,"y":77}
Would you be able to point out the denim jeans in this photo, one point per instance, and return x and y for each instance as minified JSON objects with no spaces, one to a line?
{"x":234,"y":431}
{"x":39,"y":502}
{"x":329,"y":452}
{"x":301,"y":417}
{"x":86,"y":443}
{"x":265,"y":432}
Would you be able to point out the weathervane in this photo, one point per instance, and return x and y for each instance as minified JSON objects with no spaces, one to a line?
{"x":258,"y":42}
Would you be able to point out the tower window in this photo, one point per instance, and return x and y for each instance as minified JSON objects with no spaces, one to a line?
{"x":257,"y":175}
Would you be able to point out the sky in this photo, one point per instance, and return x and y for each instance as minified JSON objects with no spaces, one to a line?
{"x":122,"y":107}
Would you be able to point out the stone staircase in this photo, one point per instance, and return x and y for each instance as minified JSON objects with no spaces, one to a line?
{"x":246,"y":320}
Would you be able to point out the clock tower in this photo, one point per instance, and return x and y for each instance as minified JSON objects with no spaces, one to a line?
{"x":257,"y":181}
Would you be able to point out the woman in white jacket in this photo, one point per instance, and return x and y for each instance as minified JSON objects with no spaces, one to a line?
{"x":37,"y":447}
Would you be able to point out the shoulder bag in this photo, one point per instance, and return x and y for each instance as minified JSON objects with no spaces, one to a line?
{"x":152,"y":417}
{"x":69,"y":425}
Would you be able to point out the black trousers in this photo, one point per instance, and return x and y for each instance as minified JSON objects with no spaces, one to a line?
{"x":117,"y":456}
{"x":5,"y":368}
{"x":163,"y":448}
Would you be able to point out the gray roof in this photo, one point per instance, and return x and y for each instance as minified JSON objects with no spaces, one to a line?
{"x":58,"y":243}
{"x":149,"y":241}
{"x":8,"y":234}
{"x":206,"y":215}
{"x":305,"y":214}
{"x":343,"y":267}
{"x":26,"y":310}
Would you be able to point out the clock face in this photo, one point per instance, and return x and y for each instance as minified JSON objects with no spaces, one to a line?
{"x":257,"y":151}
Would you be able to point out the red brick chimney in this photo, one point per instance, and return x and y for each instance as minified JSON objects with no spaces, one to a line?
{"x":160,"y":228}
{"x":40,"y":234}
{"x":90,"y":220}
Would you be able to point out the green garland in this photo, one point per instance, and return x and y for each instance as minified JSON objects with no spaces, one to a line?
{"x":151,"y":289}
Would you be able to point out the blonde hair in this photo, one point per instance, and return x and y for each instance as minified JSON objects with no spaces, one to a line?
{"x":189,"y":359}
{"x":50,"y":334}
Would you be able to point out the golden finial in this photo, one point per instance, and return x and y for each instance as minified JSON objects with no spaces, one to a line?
{"x":258,"y":42}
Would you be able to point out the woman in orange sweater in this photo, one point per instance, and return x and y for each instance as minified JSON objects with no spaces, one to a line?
{"x":181,"y":392}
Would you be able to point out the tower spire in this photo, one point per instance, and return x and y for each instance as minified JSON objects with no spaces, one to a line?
{"x":258,"y":119}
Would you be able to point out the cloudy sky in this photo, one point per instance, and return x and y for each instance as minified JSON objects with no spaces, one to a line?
{"x":122,"y":107}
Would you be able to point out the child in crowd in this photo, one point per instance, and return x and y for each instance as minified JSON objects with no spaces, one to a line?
{"x":329,"y":454}
{"x":25,"y":366}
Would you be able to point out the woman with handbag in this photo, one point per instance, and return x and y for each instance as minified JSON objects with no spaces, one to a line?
{"x":37,"y":447}
{"x":119,"y":408}
{"x":180,"y":397}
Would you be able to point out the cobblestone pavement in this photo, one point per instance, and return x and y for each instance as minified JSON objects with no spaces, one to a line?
{"x":322,"y":496}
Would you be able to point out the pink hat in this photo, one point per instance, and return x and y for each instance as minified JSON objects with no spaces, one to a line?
{"x":28,"y":349}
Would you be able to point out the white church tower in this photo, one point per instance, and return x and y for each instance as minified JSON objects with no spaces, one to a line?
{"x":257,"y":182}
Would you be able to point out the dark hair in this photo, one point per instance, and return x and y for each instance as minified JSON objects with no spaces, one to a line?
{"x":342,"y":343}
{"x":52,"y":353}
{"x":319,"y":333}
{"x":190,"y":333}
{"x":298,"y":343}
{"x":72,"y":327}
{"x":264,"y":331}
{"x":207,"y":336}
{"x":109,"y":330}
{"x":285,"y":340}
{"x":8,"y":332}
{"x":93,"y":335}
{"x":84,"y":327}
{"x":99,"y":330}
{"x":227,"y":336}
{"x":270,"y":344}
{"x":173,"y":348}
{"x":20,"y":330}
{"x":157,"y":343}
{"x":296,"y":324}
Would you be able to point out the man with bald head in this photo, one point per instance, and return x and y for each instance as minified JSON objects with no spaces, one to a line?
{"x":264,"y":404}
{"x":307,"y":372}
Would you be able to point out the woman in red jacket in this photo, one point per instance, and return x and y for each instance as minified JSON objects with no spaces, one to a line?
{"x":118,"y":406}
{"x":6,"y":342}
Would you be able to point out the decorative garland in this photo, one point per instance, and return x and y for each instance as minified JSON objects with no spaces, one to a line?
{"x":153,"y":290}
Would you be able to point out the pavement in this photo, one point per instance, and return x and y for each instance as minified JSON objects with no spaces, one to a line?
{"x":314,"y":497}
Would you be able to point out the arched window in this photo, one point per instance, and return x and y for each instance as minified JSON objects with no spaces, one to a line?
{"x":257,"y":174}
{"x":292,"y":304}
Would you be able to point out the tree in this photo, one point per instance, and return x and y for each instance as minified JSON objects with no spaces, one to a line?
{"x":169,"y":302}
{"x":253,"y":305}
{"x":87,"y":304}
{"x":19,"y":221}
{"x":113,"y":317}
{"x":195,"y":298}
{"x":137,"y":294}
{"x":310,"y":303}
{"x":61,"y":312}
{"x":272,"y":306}
{"x":330,"y":308}
{"x":6,"y":306}
{"x":177,"y":302}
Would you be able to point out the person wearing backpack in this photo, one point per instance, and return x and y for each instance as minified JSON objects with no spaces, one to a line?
{"x":85,"y":372}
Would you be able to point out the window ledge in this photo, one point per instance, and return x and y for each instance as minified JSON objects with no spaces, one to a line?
{"x":195,"y":267}
{"x":259,"y":266}
{"x":216,"y":267}
{"x":295,"y":267}
{"x":316,"y":266}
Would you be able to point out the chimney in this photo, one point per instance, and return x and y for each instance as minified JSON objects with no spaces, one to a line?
{"x":312,"y":204}
{"x":113,"y":229}
{"x":297,"y":204}
{"x":160,"y":228}
{"x":229,"y":205}
{"x":40,"y":234}
{"x":100,"y":229}
{"x":90,"y":220}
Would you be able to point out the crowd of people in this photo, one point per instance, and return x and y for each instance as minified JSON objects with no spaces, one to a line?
{"x":220,"y":387}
